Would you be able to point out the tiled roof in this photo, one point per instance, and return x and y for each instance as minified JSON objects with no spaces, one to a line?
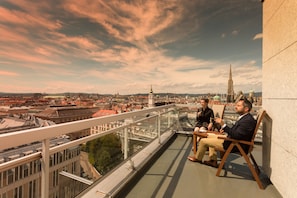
{"x":104,"y":112}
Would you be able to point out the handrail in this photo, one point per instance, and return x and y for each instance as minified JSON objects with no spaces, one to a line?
{"x":44,"y":134}
{"x":9,"y":140}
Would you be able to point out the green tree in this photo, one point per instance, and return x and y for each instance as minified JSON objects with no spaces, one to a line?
{"x":104,"y":153}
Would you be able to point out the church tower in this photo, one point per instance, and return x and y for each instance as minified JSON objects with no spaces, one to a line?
{"x":151,"y":102}
{"x":230,"y":92}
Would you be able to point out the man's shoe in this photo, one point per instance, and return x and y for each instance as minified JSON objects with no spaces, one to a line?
{"x":212,"y":163}
{"x":193,"y":159}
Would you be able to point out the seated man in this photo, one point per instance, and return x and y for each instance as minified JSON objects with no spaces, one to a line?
{"x":203,"y":119}
{"x":204,"y":116}
{"x":243,"y":129}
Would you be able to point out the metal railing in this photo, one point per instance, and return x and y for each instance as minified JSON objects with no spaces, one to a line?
{"x":52,"y":155}
{"x":142,"y":125}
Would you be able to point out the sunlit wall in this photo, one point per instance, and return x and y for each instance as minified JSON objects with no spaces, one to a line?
{"x":280,"y":93}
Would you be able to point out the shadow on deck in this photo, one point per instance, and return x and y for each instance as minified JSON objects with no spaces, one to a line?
{"x":172,"y":175}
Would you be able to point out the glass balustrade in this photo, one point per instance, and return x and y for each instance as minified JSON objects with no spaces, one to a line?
{"x":65,"y":159}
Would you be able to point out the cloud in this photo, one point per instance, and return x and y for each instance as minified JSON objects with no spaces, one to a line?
{"x":258,"y":36}
{"x":113,"y":46}
{"x":32,"y":18}
{"x":8,"y":73}
{"x":235,"y":32}
{"x":131,"y":22}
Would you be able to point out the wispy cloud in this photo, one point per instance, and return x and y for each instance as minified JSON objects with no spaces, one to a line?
{"x":258,"y":36}
{"x":115,"y":46}
{"x":8,"y":73}
{"x":235,"y":32}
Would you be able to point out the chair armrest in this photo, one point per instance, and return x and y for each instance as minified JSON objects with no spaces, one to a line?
{"x":235,"y":141}
{"x":200,"y":134}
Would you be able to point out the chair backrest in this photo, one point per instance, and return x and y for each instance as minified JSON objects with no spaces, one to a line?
{"x":260,"y":115}
{"x":218,"y":109}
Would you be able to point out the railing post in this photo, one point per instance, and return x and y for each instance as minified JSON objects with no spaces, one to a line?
{"x":159,"y":127}
{"x":45,"y":169}
{"x":126,"y":143}
{"x":169,"y":119}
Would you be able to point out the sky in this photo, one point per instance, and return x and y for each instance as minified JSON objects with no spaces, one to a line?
{"x":128,"y":46}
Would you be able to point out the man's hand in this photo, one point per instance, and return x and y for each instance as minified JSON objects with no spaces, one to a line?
{"x":219,"y":121}
{"x":209,"y":126}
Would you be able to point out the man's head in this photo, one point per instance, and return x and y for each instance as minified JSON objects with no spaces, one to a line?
{"x":204,"y":102}
{"x":243,"y":106}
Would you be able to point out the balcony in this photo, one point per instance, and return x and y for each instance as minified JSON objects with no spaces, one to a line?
{"x":154,"y":144}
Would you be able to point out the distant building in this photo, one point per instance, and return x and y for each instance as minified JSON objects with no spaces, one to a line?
{"x":230,"y":91}
{"x":151,"y":102}
{"x":216,"y":99}
{"x":62,"y":114}
{"x":251,"y":96}
{"x":24,"y":179}
{"x":21,"y":122}
{"x":107,"y":126}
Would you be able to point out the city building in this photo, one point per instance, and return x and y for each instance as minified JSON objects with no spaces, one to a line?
{"x":104,"y":127}
{"x":62,"y":114}
{"x":24,"y":180}
{"x":151,"y":102}
{"x":21,"y":122}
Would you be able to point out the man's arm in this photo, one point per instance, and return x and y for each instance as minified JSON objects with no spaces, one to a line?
{"x":243,"y":129}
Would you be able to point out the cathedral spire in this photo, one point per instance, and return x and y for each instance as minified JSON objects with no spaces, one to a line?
{"x":230,"y":73}
{"x":230,"y":92}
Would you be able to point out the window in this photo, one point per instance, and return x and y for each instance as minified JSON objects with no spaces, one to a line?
{"x":55,"y":177}
{"x":10,"y":174}
{"x":60,"y":157}
{"x":21,"y":171}
{"x":26,"y":170}
{"x":16,"y":175}
{"x":18,"y":192}
{"x":73,"y":167}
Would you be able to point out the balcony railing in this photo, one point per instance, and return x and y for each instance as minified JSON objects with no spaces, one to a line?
{"x":44,"y":162}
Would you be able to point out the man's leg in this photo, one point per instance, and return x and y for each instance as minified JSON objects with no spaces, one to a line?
{"x":212,"y":142}
{"x":212,"y":153}
{"x":194,"y":147}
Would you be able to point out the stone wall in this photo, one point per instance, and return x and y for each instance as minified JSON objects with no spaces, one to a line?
{"x":280,"y":94}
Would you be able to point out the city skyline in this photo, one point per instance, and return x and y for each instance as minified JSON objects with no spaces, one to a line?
{"x":126,"y":47}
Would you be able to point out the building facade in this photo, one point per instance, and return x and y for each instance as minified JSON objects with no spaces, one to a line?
{"x":280,"y":94}
{"x":24,"y":180}
{"x":62,"y":114}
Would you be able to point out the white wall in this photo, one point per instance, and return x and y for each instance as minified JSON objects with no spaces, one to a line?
{"x":280,"y":94}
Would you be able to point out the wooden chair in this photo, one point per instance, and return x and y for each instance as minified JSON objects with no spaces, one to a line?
{"x":218,"y":111}
{"x":254,"y":168}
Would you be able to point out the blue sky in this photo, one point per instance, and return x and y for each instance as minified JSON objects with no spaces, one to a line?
{"x":125,"y":47}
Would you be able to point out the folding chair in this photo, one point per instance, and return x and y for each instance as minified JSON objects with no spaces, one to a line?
{"x":254,"y":169}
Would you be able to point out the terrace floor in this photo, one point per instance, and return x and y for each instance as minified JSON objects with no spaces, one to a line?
{"x":172,"y":175}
